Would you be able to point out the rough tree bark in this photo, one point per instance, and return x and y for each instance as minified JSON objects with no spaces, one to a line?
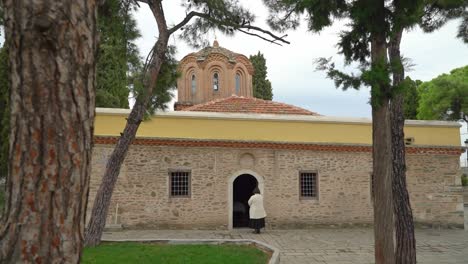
{"x":404,"y":226}
{"x":52,"y":48}
{"x":382,"y":151}
{"x":382,"y":173}
{"x":104,"y":194}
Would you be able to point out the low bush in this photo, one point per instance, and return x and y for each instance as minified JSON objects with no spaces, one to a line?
{"x":464,"y":180}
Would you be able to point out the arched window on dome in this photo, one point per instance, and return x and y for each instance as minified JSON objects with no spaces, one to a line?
{"x":215,"y":81}
{"x":238,"y":83}
{"x":194,"y":84}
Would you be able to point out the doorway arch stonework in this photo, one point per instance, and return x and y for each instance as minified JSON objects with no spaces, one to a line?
{"x":233,"y":177}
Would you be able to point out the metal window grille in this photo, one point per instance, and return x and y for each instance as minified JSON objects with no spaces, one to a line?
{"x":308,"y":184}
{"x":180,"y":184}
{"x":372,"y":187}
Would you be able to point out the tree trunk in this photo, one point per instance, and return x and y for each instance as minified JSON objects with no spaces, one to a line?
{"x":52,"y":46}
{"x":4,"y":115}
{"x":382,"y":151}
{"x":404,"y":226}
{"x":382,"y":172}
{"x":104,"y":194}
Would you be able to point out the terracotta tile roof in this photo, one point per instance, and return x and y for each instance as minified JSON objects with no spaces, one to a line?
{"x":239,"y":104}
{"x":204,"y":53}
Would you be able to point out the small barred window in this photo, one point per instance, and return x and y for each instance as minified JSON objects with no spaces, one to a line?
{"x":308,"y":185}
{"x":180,"y":184}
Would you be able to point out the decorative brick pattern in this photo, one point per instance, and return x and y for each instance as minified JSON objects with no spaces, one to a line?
{"x":273,"y":145}
{"x":142,"y":190}
{"x":203,"y":64}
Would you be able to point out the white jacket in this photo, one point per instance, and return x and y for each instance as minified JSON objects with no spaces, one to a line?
{"x":256,"y":207}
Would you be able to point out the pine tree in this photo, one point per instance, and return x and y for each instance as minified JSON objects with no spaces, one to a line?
{"x":4,"y":113}
{"x":118,"y":55}
{"x":445,"y":97}
{"x":261,"y":85}
{"x":411,"y":102}
{"x":4,"y":107}
{"x":51,"y":78}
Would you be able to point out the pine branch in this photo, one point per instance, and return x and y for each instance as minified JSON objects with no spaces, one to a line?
{"x":266,"y":32}
{"x":256,"y":35}
{"x":242,"y":28}
{"x":340,"y":78}
{"x":187,"y":18}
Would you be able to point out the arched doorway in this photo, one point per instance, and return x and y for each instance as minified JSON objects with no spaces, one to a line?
{"x":242,"y":190}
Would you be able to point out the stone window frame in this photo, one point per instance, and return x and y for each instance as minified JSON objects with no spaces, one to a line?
{"x":169,"y":174}
{"x":239,"y":70}
{"x":188,"y":73}
{"x":317,"y":185}
{"x":237,"y":83}
{"x":218,"y":68}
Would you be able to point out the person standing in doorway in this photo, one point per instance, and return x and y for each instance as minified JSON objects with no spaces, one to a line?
{"x":257,"y":213}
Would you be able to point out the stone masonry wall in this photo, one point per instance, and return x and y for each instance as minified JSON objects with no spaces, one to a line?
{"x":142,"y":191}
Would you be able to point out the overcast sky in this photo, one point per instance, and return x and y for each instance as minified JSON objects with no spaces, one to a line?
{"x":291,"y":68}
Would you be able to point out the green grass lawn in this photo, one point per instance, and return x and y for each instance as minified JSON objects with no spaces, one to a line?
{"x":141,"y":253}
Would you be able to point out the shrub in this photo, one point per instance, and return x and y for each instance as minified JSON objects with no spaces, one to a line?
{"x":464,"y":180}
